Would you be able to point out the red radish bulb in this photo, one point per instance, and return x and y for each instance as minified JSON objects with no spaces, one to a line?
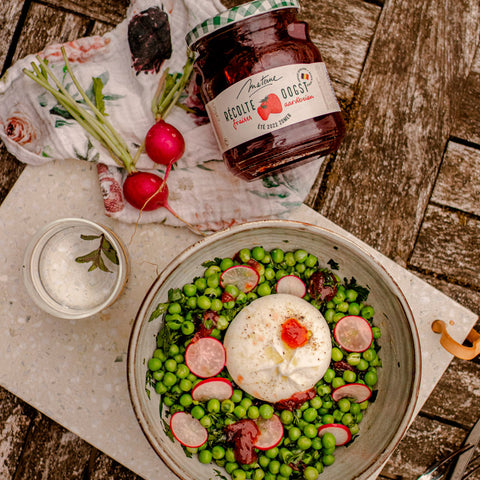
{"x":141,"y":190}
{"x":164,"y":144}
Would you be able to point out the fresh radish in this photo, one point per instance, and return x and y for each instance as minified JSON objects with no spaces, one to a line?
{"x":206,"y":357}
{"x":219,"y":388}
{"x":341,"y":433}
{"x":147,"y":191}
{"x":293,"y":285}
{"x":356,"y":391}
{"x":271,"y":432}
{"x":243,"y":277}
{"x":164,"y":144}
{"x":188,"y":430}
{"x":353,"y":333}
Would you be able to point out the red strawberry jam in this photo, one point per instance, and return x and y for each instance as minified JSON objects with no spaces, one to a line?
{"x":266,"y":89}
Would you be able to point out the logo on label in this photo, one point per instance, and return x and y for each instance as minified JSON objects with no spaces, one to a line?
{"x":270,"y":104}
{"x":304,"y":75}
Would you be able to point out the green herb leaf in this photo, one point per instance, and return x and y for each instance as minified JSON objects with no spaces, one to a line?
{"x":96,"y":256}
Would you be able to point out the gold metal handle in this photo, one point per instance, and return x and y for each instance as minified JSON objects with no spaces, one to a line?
{"x":453,"y":347}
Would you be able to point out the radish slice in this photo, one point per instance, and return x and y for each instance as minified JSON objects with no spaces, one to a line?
{"x":188,"y":430}
{"x":206,"y":357}
{"x":245,"y":278}
{"x":293,"y":285}
{"x":357,"y":391}
{"x":341,"y":433}
{"x":271,"y":432}
{"x":219,"y":388}
{"x":353,"y":333}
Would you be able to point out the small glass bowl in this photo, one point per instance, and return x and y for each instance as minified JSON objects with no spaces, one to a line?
{"x":64,"y":287}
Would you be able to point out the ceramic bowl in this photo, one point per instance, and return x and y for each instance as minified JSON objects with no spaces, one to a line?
{"x":387,"y":418}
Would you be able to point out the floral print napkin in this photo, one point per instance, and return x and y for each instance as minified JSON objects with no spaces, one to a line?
{"x":36,"y":129}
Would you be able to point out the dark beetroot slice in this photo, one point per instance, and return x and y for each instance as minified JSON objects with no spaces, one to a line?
{"x":322,"y":286}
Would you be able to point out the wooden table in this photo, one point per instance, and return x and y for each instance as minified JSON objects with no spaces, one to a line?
{"x":406,"y":180}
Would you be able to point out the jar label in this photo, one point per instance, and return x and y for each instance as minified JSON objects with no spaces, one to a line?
{"x":270,"y":100}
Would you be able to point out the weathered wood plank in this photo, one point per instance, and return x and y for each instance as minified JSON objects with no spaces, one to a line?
{"x":448,"y":245}
{"x":467,"y":125}
{"x":397,"y":133}
{"x":458,"y":182}
{"x":15,"y":419}
{"x":52,"y":453}
{"x":104,"y":467}
{"x":425,"y":442}
{"x":342,"y":30}
{"x":9,"y":17}
{"x":111,"y":12}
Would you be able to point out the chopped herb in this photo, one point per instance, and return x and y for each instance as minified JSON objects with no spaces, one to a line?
{"x":174,"y":295}
{"x":160,"y":310}
{"x":333,"y":264}
{"x":95,"y":256}
{"x":363,"y":292}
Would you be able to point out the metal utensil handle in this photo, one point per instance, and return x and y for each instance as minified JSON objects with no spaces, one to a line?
{"x":453,"y":347}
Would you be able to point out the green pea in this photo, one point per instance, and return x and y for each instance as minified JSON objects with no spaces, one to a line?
{"x":327,"y":418}
{"x":277,"y":255}
{"x":229,"y":305}
{"x":304,"y":443}
{"x":294,"y":434}
{"x":339,"y":297}
{"x":309,"y":414}
{"x":351,"y":295}
{"x":349,"y":376}
{"x":316,"y":402}
{"x":241,"y":298}
{"x":253,"y":412}
{"x":264,"y":289}
{"x":206,"y":421}
{"x":337,"y":415}
{"x":218,"y":452}
{"x":377,"y":333}
{"x":300,"y":255}
{"x":185,"y":400}
{"x":213,"y":405}
{"x":343,"y":307}
{"x":329,"y":314}
{"x":269,"y":274}
{"x":311,"y":261}
{"x":216,"y":305}
{"x":338,"y":316}
{"x":154,"y":364}
{"x":328,"y":460}
{"x":286,"y":417}
{"x":232,"y":290}
{"x":227,"y":406}
{"x":205,"y":456}
{"x":344,"y":405}
{"x":170,"y":365}
{"x":245,"y":255}
{"x":185,"y":385}
{"x":353,"y":359}
{"x":285,"y":470}
{"x":300,"y":268}
{"x":237,"y":395}
{"x":266,"y":411}
{"x":289,"y":259}
{"x":258,"y":253}
{"x":280,"y":274}
{"x":230,"y":467}
{"x":337,"y":354}
{"x":329,"y":375}
{"x":370,"y":378}
{"x":310,"y":430}
{"x":168,"y":402}
{"x":230,"y":455}
{"x":226,"y":263}
{"x":189,"y":289}
{"x":169,"y":379}
{"x":200,"y":284}
{"x":263,"y":461}
{"x":212,"y":270}
{"x":347,"y":419}
{"x":204,"y":302}
{"x":192,"y":304}
{"x":369,"y":355}
{"x":338,"y":382}
{"x":212,"y":292}
{"x":158,"y":374}
{"x":310,"y":473}
{"x":354,"y":429}
{"x":272,"y":452}
{"x":161,"y":388}
{"x":258,"y":474}
{"x":222,"y":322}
{"x":362,"y":365}
{"x":197,"y":412}
{"x":188,"y":327}
{"x":317,"y":443}
{"x":239,"y":411}
{"x":354,"y":309}
{"x":367,"y":312}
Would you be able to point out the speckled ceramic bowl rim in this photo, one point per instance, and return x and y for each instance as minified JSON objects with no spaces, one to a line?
{"x":177,"y":468}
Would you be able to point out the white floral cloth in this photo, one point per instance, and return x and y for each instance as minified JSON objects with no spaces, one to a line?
{"x":202,"y":191}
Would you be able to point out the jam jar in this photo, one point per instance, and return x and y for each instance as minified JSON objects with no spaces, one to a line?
{"x":265,"y":87}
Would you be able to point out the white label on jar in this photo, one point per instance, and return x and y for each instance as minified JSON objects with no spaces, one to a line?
{"x":270,"y":100}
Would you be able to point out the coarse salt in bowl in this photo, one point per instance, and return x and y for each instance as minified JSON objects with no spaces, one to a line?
{"x":63,"y":286}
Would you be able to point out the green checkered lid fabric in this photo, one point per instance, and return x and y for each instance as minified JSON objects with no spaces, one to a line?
{"x":235,"y":14}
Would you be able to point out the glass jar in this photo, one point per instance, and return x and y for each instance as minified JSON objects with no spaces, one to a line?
{"x":265,"y":87}
{"x":74,"y":268}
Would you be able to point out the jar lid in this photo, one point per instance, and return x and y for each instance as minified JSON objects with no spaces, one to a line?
{"x":240,"y":12}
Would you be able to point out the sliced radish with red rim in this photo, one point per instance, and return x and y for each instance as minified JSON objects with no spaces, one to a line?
{"x":243,"y":277}
{"x":292,"y":285}
{"x":356,"y":391}
{"x":271,"y":432}
{"x":341,"y":433}
{"x":219,"y":388}
{"x":353,"y":333}
{"x":188,"y":430}
{"x":205,"y":357}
